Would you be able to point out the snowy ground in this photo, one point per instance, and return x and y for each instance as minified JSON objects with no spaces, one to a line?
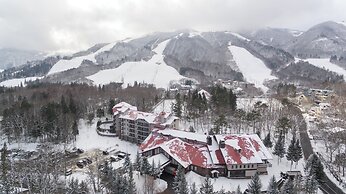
{"x":232,"y":184}
{"x":88,"y":139}
{"x":164,"y":106}
{"x":253,"y":69}
{"x":155,"y":71}
{"x":18,"y":81}
{"x":326,"y":64}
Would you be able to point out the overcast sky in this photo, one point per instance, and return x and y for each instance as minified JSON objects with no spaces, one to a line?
{"x":71,"y":25}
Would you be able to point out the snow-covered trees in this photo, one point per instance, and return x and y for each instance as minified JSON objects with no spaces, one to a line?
{"x":255,"y":185}
{"x":179,"y":183}
{"x":272,"y":187}
{"x":310,"y":184}
{"x":5,"y":181}
{"x":288,"y":187}
{"x":238,"y":191}
{"x":193,"y":189}
{"x":279,"y":148}
{"x":294,"y":151}
{"x":207,"y":187}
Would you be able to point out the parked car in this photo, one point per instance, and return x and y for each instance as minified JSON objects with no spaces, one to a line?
{"x":121,"y":155}
{"x":80,"y":164}
{"x":68,"y":172}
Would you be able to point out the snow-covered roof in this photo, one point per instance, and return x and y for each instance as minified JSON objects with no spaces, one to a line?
{"x":243,"y":149}
{"x":206,"y":94}
{"x":191,"y":148}
{"x":159,"y":159}
{"x":135,"y":115}
{"x":122,"y":107}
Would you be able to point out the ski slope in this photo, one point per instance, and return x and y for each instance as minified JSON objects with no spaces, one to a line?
{"x":64,"y":65}
{"x":154,"y":71}
{"x":18,"y":81}
{"x":253,"y":69}
{"x":326,"y":64}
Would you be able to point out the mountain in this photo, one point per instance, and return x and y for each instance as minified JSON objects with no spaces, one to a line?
{"x":276,"y":37}
{"x":322,"y":40}
{"x":163,"y":59}
{"x":10,"y":57}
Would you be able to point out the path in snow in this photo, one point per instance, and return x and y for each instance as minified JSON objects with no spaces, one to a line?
{"x":155,"y":71}
{"x":253,"y":69}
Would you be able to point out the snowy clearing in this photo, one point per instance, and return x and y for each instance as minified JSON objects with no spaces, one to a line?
{"x":88,"y":139}
{"x":155,"y":71}
{"x":253,"y":69}
{"x":326,"y":64}
{"x":1,"y":70}
{"x":64,"y":65}
{"x":18,"y":81}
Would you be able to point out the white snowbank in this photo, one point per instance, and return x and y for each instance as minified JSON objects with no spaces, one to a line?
{"x":18,"y":81}
{"x":155,"y":71}
{"x":253,"y":69}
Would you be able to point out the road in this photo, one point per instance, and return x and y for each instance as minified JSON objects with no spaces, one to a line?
{"x":328,"y":186}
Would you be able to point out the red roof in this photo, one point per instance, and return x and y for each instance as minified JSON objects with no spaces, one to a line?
{"x":239,"y":149}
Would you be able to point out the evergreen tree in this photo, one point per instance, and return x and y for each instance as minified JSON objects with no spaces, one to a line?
{"x":314,"y":168}
{"x":288,"y":187}
{"x":127,"y":163}
{"x":131,"y":182}
{"x":193,"y":189}
{"x":283,"y":124}
{"x":145,"y":166}
{"x":273,"y":186}
{"x":279,"y":148}
{"x":207,"y":187}
{"x":138,"y":162}
{"x":238,"y":191}
{"x":291,"y":150}
{"x":6,"y":186}
{"x":310,"y":184}
{"x":111,"y":104}
{"x":298,"y":152}
{"x":177,"y":106}
{"x":179,"y":183}
{"x":255,"y":185}
{"x":83,"y":187}
{"x":267,"y":141}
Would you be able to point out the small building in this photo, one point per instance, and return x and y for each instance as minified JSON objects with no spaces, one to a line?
{"x":233,"y":156}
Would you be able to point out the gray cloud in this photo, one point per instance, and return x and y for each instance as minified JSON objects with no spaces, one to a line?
{"x":77,"y":24}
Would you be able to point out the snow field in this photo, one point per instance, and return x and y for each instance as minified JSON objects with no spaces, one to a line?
{"x":17,"y":81}
{"x":253,"y":69}
{"x":155,"y":71}
{"x":326,"y":64}
{"x":64,"y":65}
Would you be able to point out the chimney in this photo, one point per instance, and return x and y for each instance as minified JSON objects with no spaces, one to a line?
{"x":209,"y":140}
